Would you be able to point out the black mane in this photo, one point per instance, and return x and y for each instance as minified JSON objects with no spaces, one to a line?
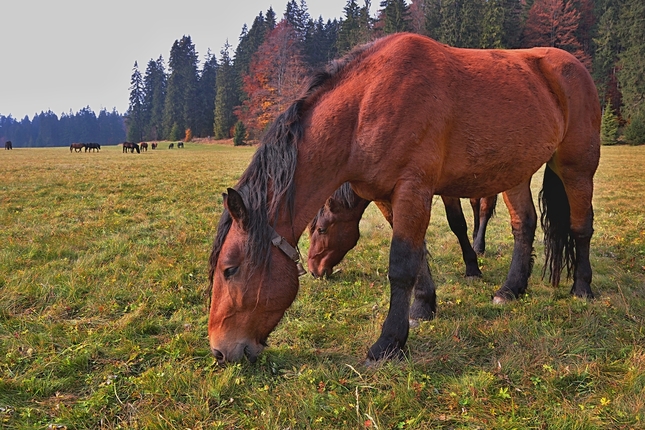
{"x":271,"y":171}
{"x":344,"y":196}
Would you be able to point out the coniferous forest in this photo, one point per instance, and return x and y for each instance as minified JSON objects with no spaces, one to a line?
{"x":240,"y":92}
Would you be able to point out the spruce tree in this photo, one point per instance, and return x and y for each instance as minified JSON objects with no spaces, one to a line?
{"x":239,"y":136}
{"x":395,"y":16}
{"x":206,"y":95}
{"x":135,"y":113}
{"x":180,"y":106}
{"x":632,"y":67}
{"x":225,"y":96}
{"x":154,"y":98}
{"x":349,"y":32}
{"x":608,"y":126}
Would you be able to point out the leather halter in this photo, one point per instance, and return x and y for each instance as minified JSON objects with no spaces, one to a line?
{"x":291,"y":252}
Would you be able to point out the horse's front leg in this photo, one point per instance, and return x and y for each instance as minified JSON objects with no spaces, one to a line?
{"x":410,"y":217}
{"x":424,"y":305}
{"x":523,"y":221}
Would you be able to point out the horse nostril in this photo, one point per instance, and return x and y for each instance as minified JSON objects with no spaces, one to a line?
{"x":218,"y":356}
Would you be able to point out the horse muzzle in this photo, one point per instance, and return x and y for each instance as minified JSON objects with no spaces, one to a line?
{"x":250,"y":350}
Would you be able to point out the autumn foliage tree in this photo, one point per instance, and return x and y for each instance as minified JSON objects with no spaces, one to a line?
{"x":274,"y":79}
{"x":555,"y":23}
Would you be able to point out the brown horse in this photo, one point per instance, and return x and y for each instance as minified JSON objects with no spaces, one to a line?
{"x":8,"y":145}
{"x":334,"y":230}
{"x":130,"y":146}
{"x":78,"y":147}
{"x":144,"y":146}
{"x":402,"y":119}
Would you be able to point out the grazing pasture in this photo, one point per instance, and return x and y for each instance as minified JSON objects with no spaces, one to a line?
{"x":103,"y":312}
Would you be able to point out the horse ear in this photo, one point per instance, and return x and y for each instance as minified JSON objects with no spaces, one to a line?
{"x":235,"y":205}
{"x":333,"y":205}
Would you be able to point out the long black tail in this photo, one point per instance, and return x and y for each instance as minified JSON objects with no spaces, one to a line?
{"x":559,"y":245}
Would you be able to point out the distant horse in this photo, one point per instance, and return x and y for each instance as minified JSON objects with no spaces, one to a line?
{"x":131,"y":146}
{"x":180,"y":144}
{"x":144,"y":146}
{"x":8,"y":145}
{"x":154,"y":145}
{"x":92,"y":147}
{"x":171,"y":146}
{"x":404,"y":118}
{"x":334,"y":230}
{"x":78,"y":147}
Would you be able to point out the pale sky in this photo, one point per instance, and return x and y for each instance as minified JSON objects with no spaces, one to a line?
{"x":69,"y":54}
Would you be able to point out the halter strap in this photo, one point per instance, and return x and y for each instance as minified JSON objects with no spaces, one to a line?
{"x":291,"y":252}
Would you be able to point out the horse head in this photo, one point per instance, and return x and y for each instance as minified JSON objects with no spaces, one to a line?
{"x":334,"y":230}
{"x":253,"y":283}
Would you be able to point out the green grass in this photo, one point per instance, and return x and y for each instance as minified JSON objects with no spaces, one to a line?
{"x":103,"y":271}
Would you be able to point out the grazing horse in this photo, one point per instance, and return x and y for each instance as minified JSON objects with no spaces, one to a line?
{"x":131,"y":146}
{"x":78,"y":147}
{"x":171,"y":146}
{"x":402,"y":119}
{"x":8,"y":145}
{"x":334,"y":230}
{"x":144,"y":146}
{"x":154,"y":145}
{"x":180,"y":144}
{"x":92,"y":147}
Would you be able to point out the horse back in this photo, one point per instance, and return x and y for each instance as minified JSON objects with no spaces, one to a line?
{"x":464,"y":122}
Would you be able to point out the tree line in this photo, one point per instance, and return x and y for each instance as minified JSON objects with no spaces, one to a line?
{"x":240,"y":92}
{"x":253,"y":84}
{"x":48,"y":129}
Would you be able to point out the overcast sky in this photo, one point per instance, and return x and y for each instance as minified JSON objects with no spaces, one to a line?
{"x":69,"y":54}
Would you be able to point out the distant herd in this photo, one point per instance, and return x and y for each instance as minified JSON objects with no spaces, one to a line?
{"x":127,"y":146}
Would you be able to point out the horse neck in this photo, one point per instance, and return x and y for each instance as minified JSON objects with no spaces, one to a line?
{"x":321,"y":169}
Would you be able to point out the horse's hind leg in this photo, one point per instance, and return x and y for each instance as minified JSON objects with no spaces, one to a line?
{"x":523,"y":221}
{"x":567,"y":220}
{"x":486,"y":208}
{"x":457,"y":223}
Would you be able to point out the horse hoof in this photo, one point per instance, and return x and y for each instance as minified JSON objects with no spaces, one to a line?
{"x":497,"y":300}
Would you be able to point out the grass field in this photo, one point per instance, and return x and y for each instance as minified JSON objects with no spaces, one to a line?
{"x":103,"y":271}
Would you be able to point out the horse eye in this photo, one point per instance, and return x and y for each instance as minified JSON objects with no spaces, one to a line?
{"x":230,"y":272}
{"x":322,"y":230}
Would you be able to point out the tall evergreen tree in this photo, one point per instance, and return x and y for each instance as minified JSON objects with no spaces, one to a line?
{"x":225,"y":96}
{"x":135,"y":115}
{"x":320,"y":46}
{"x":180,"y":108}
{"x":395,"y":16}
{"x":206,"y":94}
{"x":631,"y":75}
{"x":492,"y":32}
{"x":154,"y":98}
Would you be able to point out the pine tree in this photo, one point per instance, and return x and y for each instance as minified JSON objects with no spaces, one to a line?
{"x":135,"y":113}
{"x":239,"y":137}
{"x":349,"y":32}
{"x":154,"y":98}
{"x":181,"y":104}
{"x":631,"y":75}
{"x":492,"y":35}
{"x":225,"y":96}
{"x":395,"y":16}
{"x":608,"y":127}
{"x":206,"y":94}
